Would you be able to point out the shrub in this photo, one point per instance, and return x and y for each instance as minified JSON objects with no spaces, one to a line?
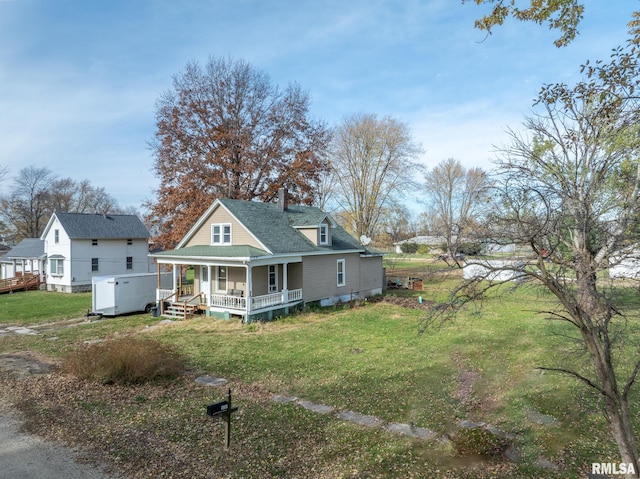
{"x":409,"y":248}
{"x":423,"y":249}
{"x":124,"y":361}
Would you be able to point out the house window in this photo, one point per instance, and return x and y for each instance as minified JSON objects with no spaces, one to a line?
{"x":324,"y":233}
{"x":221,"y":233}
{"x":129,"y":262}
{"x":341,"y":276}
{"x":273,"y":278}
{"x":56,"y":267}
{"x":56,"y":236}
{"x":94,"y":264}
{"x":221,"y":278}
{"x":94,"y":242}
{"x":129,"y":241}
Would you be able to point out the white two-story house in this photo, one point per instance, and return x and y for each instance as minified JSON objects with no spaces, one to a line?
{"x":80,"y":245}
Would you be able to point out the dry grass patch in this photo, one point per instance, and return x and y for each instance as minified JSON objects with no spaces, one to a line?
{"x":124,"y":361}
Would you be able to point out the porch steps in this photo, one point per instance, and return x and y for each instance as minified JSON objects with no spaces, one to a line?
{"x":180,"y":310}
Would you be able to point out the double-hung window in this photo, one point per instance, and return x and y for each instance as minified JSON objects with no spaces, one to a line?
{"x":94,"y":265}
{"x":221,"y":233}
{"x":56,"y":267}
{"x":324,"y":234}
{"x":129,"y":262}
{"x":341,"y":276}
{"x":273,"y":278}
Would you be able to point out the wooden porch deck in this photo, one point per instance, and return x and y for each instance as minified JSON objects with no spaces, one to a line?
{"x":20,"y":283}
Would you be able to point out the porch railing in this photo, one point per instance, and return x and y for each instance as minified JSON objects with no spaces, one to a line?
{"x":240,"y":302}
{"x":273,"y":299}
{"x":227,"y":301}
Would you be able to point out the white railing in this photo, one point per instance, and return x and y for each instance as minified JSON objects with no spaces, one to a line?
{"x":259,"y":302}
{"x":295,"y":295}
{"x":225,"y":301}
{"x":163,"y":293}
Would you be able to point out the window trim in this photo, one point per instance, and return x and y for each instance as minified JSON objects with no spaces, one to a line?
{"x":56,"y":236}
{"x":224,"y":236}
{"x":226,"y":279}
{"x":341,"y":272}
{"x":59,"y":268}
{"x":272,"y":274}
{"x":95,"y":265}
{"x":323,"y":229}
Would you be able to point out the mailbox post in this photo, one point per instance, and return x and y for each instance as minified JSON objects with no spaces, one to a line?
{"x":223,"y":409}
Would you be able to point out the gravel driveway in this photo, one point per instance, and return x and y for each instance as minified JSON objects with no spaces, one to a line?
{"x":24,"y":456}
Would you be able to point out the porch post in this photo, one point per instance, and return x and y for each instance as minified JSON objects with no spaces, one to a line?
{"x":249,"y":288}
{"x":175,"y":283}
{"x":210,"y":282}
{"x":285,"y":286}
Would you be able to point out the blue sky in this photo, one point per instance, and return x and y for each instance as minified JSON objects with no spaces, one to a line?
{"x":79,"y":79}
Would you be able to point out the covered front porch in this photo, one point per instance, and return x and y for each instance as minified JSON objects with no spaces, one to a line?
{"x":250,"y":288}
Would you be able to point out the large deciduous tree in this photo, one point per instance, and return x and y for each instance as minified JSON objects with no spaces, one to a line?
{"x":456,"y":198}
{"x":224,"y":130}
{"x":373,"y":163}
{"x":570,"y":188}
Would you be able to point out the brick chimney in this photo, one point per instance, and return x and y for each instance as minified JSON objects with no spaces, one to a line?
{"x":283,"y":199}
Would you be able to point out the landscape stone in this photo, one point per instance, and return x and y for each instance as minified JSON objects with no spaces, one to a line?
{"x":360,"y":418}
{"x":211,"y":381}
{"x":319,"y":408}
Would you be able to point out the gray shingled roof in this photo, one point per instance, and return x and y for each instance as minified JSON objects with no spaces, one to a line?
{"x":276,"y":229}
{"x":204,"y":251}
{"x":28,"y":248}
{"x":95,"y":226}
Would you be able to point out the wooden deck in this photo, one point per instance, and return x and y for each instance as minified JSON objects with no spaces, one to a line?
{"x":20,"y":283}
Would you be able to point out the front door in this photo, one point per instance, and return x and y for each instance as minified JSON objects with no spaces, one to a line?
{"x":205,"y":281}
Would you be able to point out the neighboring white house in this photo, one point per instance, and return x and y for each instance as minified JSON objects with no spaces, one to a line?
{"x":625,"y":267}
{"x":26,"y":257}
{"x":79,"y":246}
{"x":494,"y":270}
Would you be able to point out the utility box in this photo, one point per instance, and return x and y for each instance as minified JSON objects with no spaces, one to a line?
{"x":126,"y":293}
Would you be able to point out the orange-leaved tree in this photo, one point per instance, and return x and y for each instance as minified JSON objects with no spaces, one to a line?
{"x":224,"y":131}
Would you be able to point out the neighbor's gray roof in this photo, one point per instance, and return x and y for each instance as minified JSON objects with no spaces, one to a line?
{"x":276,"y":228}
{"x":203,"y":251}
{"x":28,"y":248}
{"x":96,"y":226}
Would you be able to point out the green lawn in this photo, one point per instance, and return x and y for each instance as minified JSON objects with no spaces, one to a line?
{"x":372,"y":360}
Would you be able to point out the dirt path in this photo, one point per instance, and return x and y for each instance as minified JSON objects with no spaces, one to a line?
{"x":26,"y":456}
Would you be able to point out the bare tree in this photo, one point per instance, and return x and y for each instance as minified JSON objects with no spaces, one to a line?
{"x":225,"y":131}
{"x":28,"y":207}
{"x":373,"y":161}
{"x":571,"y":193}
{"x":81,"y":197}
{"x":36,"y":193}
{"x":457,"y":198}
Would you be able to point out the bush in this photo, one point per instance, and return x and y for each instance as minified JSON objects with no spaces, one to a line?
{"x":124,"y":361}
{"x":409,"y":248}
{"x":423,"y":249}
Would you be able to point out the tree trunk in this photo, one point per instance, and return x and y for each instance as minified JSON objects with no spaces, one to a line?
{"x":591,"y":315}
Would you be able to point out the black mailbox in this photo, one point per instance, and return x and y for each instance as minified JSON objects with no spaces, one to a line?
{"x":218,"y":408}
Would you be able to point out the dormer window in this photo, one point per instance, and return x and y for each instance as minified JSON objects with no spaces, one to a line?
{"x":324,"y":234}
{"x":221,"y":234}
